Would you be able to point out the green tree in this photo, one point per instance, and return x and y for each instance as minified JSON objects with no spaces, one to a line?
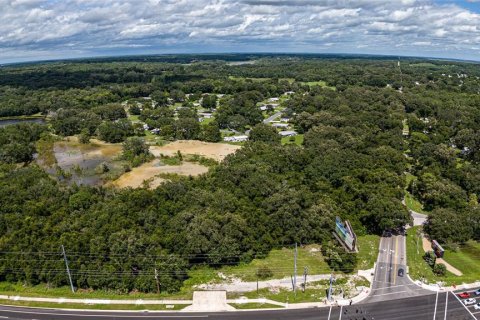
{"x":115,"y":131}
{"x":211,"y":132}
{"x":264,"y":133}
{"x":136,"y":151}
{"x":209,"y":101}
{"x":187,"y":128}
{"x":448,"y":226}
{"x":84,"y":136}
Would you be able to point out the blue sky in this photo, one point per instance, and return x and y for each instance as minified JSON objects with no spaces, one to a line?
{"x":58,"y":29}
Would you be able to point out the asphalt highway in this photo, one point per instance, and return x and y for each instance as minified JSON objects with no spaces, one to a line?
{"x":444,"y":306}
{"x":388,"y":283}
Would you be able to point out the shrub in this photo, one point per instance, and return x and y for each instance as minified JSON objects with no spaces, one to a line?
{"x":440,"y":269}
{"x":430,"y":258}
{"x":264,"y":272}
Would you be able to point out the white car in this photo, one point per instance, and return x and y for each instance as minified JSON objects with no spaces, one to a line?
{"x":476,"y":306}
{"x":470,"y":301}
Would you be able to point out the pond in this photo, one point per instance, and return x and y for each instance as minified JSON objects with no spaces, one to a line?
{"x":7,"y":122}
{"x":78,"y":163}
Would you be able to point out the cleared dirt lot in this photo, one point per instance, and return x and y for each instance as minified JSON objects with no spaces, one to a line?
{"x":217,"y":151}
{"x":147,"y":171}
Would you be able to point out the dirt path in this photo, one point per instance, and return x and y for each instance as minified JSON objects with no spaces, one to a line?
{"x":238,"y":285}
{"x":217,"y":151}
{"x":427,"y":246}
{"x":147,"y":171}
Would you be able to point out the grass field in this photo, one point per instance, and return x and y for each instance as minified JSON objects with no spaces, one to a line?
{"x":287,"y":295}
{"x":320,"y":83}
{"x":252,"y":79}
{"x":466,"y":259}
{"x":280,"y":262}
{"x":413,"y":204}
{"x":425,"y":65}
{"x":42,"y":290}
{"x":298,"y":140}
{"x":132,"y":307}
{"x":133,"y":118}
{"x":410,"y":201}
{"x":241,"y":306}
{"x":368,"y":251}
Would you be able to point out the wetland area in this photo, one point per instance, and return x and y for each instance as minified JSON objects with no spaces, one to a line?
{"x":99,"y":163}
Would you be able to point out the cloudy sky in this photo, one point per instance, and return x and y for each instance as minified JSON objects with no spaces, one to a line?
{"x":52,"y":29}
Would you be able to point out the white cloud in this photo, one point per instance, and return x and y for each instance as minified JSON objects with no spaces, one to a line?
{"x":92,"y":27}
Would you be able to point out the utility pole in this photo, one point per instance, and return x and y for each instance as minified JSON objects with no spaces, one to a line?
{"x":295,"y":270}
{"x":156,"y":280}
{"x":305,"y":271}
{"x":329,"y":296}
{"x":68,"y":269}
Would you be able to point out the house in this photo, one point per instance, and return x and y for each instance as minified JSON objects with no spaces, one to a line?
{"x":280,"y":125}
{"x":206,"y":115}
{"x":287,"y":133}
{"x":289,"y":93}
{"x":145,"y":126}
{"x":285,"y":119}
{"x":274,"y":99}
{"x":270,"y":106}
{"x":236,"y":139}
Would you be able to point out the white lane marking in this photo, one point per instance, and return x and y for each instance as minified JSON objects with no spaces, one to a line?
{"x":385,"y":294}
{"x":329,"y":313}
{"x":459,"y":301}
{"x":446,"y":306}
{"x":3,"y":317}
{"x":436,"y":301}
{"x":397,"y":286}
{"x":139,"y":315}
{"x":341,"y":308}
{"x":386,"y":273}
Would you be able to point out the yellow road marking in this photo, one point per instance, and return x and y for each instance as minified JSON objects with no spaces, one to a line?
{"x":395,"y":260}
{"x":386,"y":260}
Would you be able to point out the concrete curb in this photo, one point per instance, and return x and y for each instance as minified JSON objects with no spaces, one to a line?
{"x":363,"y":295}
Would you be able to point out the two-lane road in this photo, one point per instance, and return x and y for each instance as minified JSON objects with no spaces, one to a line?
{"x":390,"y":280}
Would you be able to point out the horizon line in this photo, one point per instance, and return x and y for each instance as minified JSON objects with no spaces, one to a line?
{"x":100,"y":57}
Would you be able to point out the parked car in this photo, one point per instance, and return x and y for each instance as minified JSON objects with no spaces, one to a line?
{"x":464,"y":295}
{"x":476,"y":306}
{"x":470,"y":301}
{"x":477,"y":293}
{"x":401,"y":272}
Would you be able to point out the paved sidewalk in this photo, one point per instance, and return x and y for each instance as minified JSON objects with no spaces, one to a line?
{"x":427,"y":246}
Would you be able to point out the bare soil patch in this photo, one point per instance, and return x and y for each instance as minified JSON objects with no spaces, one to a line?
{"x":217,"y":151}
{"x":150,"y":170}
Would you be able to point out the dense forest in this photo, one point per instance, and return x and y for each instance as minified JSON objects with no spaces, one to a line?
{"x":352,"y":162}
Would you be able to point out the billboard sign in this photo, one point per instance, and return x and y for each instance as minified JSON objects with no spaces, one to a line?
{"x":345,"y":234}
